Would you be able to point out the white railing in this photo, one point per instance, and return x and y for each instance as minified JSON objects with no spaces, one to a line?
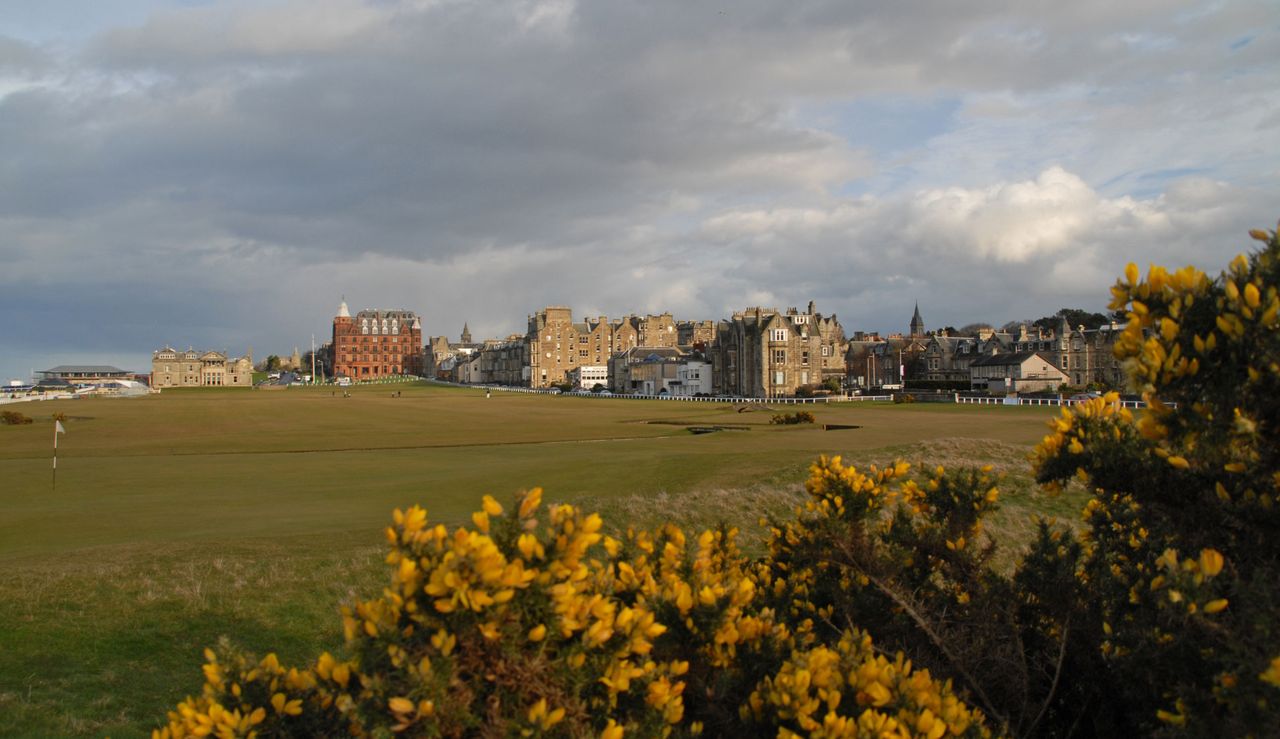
{"x":960,"y":399}
{"x":665,"y":396}
{"x":1059,"y":401}
{"x":26,"y":398}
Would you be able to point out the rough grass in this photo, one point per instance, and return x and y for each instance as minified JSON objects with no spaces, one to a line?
{"x":184,"y":517}
{"x":1011,"y":526}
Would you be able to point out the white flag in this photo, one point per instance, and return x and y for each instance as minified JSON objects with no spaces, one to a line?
{"x":57,"y":428}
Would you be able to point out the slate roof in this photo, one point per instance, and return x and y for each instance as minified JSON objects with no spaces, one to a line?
{"x":1007,"y":358}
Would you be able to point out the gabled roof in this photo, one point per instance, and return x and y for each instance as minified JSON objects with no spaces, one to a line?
{"x":1009,"y":358}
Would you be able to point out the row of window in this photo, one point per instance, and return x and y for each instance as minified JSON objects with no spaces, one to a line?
{"x":366,"y":340}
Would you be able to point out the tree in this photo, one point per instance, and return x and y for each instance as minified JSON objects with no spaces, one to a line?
{"x":1075,"y":317}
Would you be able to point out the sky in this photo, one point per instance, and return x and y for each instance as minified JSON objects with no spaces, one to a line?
{"x":222,"y":174}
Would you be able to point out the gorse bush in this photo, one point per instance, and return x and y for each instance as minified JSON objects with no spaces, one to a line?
{"x":518,"y":627}
{"x":876,"y":609}
{"x":791,"y":419}
{"x":14,"y":418}
{"x":1180,"y":567}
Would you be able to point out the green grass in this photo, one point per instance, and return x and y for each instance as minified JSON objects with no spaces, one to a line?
{"x":186,"y":516}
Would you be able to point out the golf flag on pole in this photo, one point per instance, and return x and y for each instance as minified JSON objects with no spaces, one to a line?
{"x":57,"y":429}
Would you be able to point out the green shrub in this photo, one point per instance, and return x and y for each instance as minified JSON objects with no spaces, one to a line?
{"x":791,"y":419}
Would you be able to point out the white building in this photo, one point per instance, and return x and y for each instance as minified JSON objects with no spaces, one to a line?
{"x":693,"y":377}
{"x":587,"y":376}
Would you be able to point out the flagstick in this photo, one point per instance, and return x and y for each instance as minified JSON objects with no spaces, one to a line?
{"x":55,"y":456}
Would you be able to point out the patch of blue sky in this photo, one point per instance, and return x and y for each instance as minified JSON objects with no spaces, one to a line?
{"x":1144,"y":185}
{"x":889,"y":128}
{"x":1240,"y":43}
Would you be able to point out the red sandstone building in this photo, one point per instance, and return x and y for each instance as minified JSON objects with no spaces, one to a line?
{"x":376,"y":343}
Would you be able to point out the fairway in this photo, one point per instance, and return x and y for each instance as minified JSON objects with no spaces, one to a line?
{"x":188,"y":515}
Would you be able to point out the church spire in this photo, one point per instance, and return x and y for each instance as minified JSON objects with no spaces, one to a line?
{"x":466,"y":334}
{"x":917,"y":323}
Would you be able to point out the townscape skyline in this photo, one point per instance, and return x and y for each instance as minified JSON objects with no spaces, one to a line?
{"x":219,"y":173}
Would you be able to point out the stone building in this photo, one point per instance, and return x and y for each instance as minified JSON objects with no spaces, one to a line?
{"x":646,"y":370}
{"x":501,"y":362}
{"x":376,"y":343}
{"x":1011,"y":372}
{"x":696,"y":334}
{"x":558,"y":344}
{"x":762,"y":352}
{"x":878,"y":363}
{"x":191,"y":368}
{"x":947,"y":358}
{"x":1086,"y":356}
{"x":440,"y":357}
{"x":553,"y":346}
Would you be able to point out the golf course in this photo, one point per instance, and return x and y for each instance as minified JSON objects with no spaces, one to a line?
{"x":188,"y":516}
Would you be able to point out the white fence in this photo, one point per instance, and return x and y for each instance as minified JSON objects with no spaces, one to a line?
{"x":682,"y":398}
{"x":984,"y":400}
{"x":28,"y":398}
{"x":957,"y":398}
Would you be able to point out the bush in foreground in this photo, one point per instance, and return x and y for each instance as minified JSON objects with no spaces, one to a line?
{"x":519,"y":627}
{"x":875,"y":610}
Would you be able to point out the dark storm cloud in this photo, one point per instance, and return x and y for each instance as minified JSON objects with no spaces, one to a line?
{"x":474,"y":161}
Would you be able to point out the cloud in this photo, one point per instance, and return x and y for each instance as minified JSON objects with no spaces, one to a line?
{"x":474,"y":161}
{"x":994,"y":253}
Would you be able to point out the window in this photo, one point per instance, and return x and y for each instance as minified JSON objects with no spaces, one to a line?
{"x":779,"y":378}
{"x":779,"y":356}
{"x":826,"y":350}
{"x":804,"y":357}
{"x":779,"y":334}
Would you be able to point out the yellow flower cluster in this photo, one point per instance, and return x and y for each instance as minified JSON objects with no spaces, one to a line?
{"x":245,"y":698}
{"x":851,"y":691}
